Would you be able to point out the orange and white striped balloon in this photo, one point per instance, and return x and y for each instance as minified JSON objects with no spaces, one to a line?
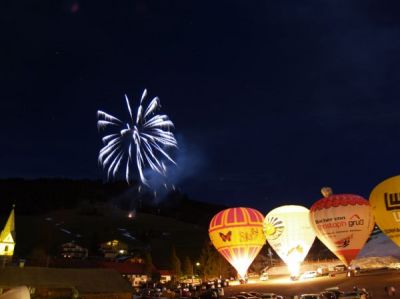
{"x":237,"y":234}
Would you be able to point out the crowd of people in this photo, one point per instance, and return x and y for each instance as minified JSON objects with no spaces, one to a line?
{"x":390,"y":291}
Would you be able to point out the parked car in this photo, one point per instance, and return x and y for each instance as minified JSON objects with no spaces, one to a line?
{"x":340,"y":268}
{"x":309,"y":274}
{"x":253,"y":297}
{"x":225,"y":282}
{"x":245,"y":297}
{"x":268,"y":296}
{"x":264,"y":276}
{"x":322,"y":271}
{"x":247,"y":294}
{"x":331,"y":293}
{"x":243,"y":280}
{"x":353,"y":271}
{"x":310,"y":296}
{"x":350,"y":295}
{"x":255,"y":294}
{"x":328,"y":295}
{"x":252,"y":275}
{"x":208,"y":294}
{"x":294,"y":277}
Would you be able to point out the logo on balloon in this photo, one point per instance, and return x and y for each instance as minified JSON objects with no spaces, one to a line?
{"x":392,"y":204}
{"x":295,"y":250}
{"x":331,"y":223}
{"x":251,"y":235}
{"x":343,"y":243}
{"x":273,"y":228}
{"x":392,"y":201}
{"x":355,"y":220}
{"x":226,"y":237}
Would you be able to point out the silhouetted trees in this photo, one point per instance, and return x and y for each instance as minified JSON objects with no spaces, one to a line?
{"x":187,"y":266}
{"x":148,"y":264}
{"x":212,"y":264}
{"x":175,"y":263}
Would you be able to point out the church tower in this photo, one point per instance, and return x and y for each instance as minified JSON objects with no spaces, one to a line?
{"x":7,"y":237}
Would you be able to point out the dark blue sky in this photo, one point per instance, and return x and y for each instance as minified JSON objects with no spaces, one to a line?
{"x":271,"y":99}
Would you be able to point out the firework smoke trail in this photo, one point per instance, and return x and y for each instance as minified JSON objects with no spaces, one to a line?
{"x":142,"y":141}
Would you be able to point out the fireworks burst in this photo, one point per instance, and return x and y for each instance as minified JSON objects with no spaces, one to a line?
{"x":142,"y":141}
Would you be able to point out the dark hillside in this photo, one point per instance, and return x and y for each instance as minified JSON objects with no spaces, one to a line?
{"x":39,"y":196}
{"x":144,"y":232}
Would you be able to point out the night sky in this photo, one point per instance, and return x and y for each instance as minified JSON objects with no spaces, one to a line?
{"x":271,"y":100}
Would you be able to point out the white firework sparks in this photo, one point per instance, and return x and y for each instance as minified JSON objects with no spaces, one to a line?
{"x":142,"y":141}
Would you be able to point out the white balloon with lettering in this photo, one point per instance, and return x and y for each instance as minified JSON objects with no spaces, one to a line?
{"x":288,"y":230}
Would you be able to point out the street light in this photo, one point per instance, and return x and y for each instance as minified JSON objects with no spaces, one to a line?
{"x":197,"y":269}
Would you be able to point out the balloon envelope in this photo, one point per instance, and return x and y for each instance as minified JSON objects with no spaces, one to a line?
{"x":343,"y":222}
{"x":385,"y":203}
{"x":21,"y":292}
{"x":288,"y":230}
{"x":237,"y":235}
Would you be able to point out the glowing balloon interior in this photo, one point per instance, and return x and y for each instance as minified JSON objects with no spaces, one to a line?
{"x":21,"y":292}
{"x":237,"y":234}
{"x":385,"y":202}
{"x":288,"y":230}
{"x":343,"y":222}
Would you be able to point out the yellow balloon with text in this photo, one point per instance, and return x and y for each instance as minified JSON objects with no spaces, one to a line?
{"x":385,"y":202}
{"x":237,"y":234}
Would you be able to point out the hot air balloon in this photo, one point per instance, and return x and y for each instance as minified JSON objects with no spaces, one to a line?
{"x":237,"y":234}
{"x":385,"y":202}
{"x":21,"y":292}
{"x":288,"y":230}
{"x":343,"y":222}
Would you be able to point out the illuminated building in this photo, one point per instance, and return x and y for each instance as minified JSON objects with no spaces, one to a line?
{"x":113,"y":249}
{"x":7,"y":237}
{"x":73,"y":250}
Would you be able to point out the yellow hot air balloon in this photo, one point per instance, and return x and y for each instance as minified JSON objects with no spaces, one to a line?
{"x":288,"y":230}
{"x":385,"y":202}
{"x":237,"y":234}
{"x":343,"y":222}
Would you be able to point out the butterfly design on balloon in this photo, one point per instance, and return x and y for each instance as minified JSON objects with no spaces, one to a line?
{"x":226,"y":237}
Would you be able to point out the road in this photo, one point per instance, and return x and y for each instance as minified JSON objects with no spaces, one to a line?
{"x":374,"y":282}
